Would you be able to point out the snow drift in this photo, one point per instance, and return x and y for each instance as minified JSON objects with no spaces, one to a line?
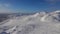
{"x":39,"y":23}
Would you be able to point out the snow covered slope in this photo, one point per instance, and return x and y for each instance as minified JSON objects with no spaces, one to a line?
{"x":39,"y":23}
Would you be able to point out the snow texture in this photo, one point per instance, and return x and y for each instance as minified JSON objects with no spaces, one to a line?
{"x":39,"y":23}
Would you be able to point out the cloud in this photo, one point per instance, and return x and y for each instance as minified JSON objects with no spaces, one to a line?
{"x":5,"y":5}
{"x":5,"y":8}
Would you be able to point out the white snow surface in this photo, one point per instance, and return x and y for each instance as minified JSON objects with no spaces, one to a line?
{"x":39,"y":23}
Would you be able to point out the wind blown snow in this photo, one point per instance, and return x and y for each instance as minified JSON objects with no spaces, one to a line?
{"x":39,"y":23}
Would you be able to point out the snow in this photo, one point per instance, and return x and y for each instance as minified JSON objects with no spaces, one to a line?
{"x":39,"y":23}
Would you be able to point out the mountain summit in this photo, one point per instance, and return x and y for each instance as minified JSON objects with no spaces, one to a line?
{"x":39,"y":23}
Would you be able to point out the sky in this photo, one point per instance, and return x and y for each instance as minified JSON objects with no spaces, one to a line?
{"x":28,"y":6}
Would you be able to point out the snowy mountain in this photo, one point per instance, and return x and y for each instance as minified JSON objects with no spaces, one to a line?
{"x":39,"y":23}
